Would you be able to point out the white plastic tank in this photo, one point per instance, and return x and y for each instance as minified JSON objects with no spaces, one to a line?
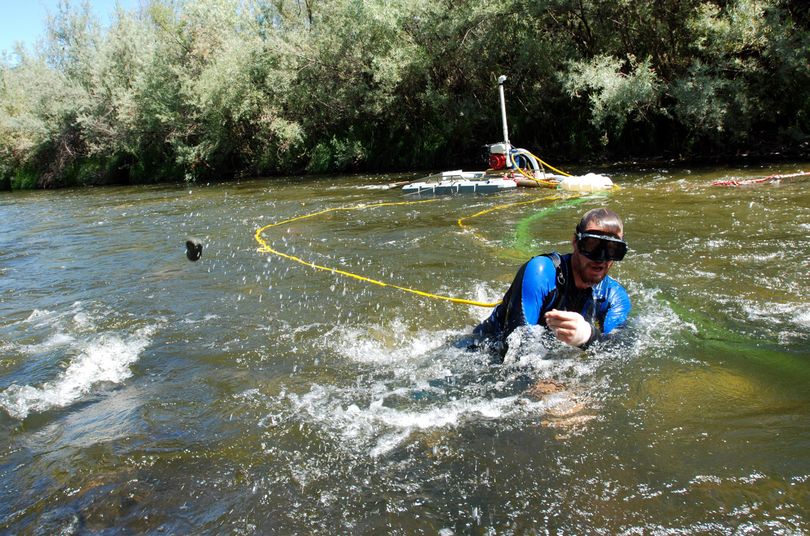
{"x":591,"y":182}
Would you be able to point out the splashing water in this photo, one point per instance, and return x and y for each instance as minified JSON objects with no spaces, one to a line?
{"x":416,"y":381}
{"x":92,"y":358}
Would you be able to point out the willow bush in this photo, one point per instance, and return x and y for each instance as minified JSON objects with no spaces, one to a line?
{"x":213,"y":89}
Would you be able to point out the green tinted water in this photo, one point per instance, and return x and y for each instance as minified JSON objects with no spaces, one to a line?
{"x":248,"y":394}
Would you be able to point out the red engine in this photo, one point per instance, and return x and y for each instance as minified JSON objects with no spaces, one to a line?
{"x":497,"y":161}
{"x":496,"y":155}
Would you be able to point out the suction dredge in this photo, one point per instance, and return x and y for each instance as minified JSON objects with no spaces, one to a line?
{"x":509,"y":167}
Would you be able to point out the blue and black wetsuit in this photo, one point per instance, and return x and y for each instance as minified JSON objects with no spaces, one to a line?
{"x":544,"y":283}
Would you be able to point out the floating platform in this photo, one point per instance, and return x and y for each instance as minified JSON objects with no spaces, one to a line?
{"x":453,"y":182}
{"x":484,"y":182}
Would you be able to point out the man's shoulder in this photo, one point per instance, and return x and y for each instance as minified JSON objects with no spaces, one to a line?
{"x":546,"y":263}
{"x":540,"y":268}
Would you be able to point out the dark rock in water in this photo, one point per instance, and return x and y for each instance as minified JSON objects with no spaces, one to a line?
{"x":193,"y":249}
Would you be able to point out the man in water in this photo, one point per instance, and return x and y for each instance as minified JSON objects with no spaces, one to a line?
{"x":571,"y":295}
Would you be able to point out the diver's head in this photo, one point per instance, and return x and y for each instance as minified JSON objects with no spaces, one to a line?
{"x":598,"y":242}
{"x":602,"y":218}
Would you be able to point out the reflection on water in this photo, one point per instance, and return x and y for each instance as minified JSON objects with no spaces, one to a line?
{"x":246,"y":393}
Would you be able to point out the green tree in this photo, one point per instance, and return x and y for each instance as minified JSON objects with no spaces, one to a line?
{"x":201,"y":89}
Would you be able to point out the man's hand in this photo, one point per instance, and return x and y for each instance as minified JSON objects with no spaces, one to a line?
{"x":569,"y":327}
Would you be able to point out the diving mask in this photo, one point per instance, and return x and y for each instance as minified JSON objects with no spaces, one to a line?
{"x":599,"y":247}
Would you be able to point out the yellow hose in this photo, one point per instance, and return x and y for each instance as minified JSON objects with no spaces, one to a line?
{"x":539,"y":182}
{"x":552,"y":168}
{"x":266,"y":248}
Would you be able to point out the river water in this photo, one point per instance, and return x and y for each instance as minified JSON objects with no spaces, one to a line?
{"x":247,"y":393}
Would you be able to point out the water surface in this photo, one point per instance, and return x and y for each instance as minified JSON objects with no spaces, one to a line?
{"x":246,"y":393}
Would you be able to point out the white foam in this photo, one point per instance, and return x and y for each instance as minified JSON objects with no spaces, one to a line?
{"x":484,"y":292}
{"x":106,"y":358}
{"x":777,"y":313}
{"x":759,"y":257}
{"x":422,"y":393}
{"x":803,"y":319}
{"x":657,"y":326}
{"x":82,"y":320}
{"x":380,"y":428}
{"x":389,"y":442}
{"x":38,"y":314}
{"x":57,"y":340}
{"x":47,"y":318}
{"x":717,"y":243}
{"x":526,"y":346}
{"x":391,"y":343}
{"x":421,"y":382}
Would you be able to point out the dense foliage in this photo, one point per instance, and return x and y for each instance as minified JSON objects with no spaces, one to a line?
{"x":200,"y":89}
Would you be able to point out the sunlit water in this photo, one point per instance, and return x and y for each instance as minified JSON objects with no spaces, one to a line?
{"x":248,"y":394}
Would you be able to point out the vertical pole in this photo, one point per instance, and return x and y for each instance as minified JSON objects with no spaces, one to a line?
{"x":501,"y":80}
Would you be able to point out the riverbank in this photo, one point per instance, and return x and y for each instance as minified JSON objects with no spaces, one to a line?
{"x":185,"y":92}
{"x":743,"y":159}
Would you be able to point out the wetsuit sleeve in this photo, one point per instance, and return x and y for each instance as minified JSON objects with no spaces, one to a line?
{"x":523,"y":302}
{"x":618,"y":308}
{"x":539,"y":280}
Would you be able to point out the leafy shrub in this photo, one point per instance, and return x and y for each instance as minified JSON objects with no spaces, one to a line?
{"x":206,"y":89}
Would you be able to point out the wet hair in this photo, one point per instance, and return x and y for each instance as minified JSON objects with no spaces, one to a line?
{"x":604,"y":218}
